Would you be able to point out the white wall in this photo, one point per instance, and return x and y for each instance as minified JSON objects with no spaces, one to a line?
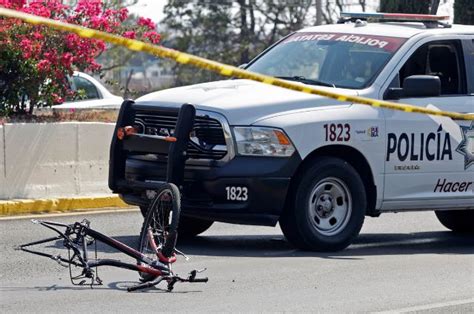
{"x":47,"y":160}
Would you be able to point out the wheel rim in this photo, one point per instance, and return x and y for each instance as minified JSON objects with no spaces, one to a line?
{"x":330,"y":206}
{"x":161,"y":211}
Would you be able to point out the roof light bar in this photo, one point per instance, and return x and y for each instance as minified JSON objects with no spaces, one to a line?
{"x":396,"y":16}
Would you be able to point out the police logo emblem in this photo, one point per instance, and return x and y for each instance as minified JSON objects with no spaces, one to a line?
{"x":466,"y":147}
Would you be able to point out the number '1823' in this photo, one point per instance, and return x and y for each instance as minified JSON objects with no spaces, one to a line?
{"x":237,"y":193}
{"x":338,"y":132}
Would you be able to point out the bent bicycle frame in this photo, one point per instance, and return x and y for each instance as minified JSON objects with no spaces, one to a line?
{"x":75,"y":239}
{"x":75,"y":236}
{"x":82,"y":230}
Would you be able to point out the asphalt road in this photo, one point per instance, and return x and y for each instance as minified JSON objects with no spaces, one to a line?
{"x":400,"y":262}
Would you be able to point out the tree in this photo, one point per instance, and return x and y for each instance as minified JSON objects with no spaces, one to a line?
{"x":283,"y":17}
{"x":35,"y":61}
{"x":231,"y":31}
{"x":405,"y":6}
{"x":201,"y":30}
{"x":464,"y":12}
{"x":234,"y":31}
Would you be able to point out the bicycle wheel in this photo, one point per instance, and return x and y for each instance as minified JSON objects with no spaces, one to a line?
{"x":159,"y":231}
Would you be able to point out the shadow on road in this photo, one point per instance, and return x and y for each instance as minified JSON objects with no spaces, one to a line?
{"x":116,"y":285}
{"x":364,"y":245}
{"x":439,"y":242}
{"x":274,"y":245}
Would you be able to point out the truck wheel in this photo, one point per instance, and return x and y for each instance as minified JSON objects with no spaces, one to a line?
{"x":190,"y":227}
{"x":328,"y":207}
{"x":457,"y":220}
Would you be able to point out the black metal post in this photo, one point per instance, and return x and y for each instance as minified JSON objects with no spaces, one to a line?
{"x":177,"y":151}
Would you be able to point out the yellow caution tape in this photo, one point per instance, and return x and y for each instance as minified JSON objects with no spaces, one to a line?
{"x":223,"y":69}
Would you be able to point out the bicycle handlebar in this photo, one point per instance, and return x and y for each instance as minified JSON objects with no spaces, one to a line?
{"x":205,"y":279}
{"x":171,"y":281}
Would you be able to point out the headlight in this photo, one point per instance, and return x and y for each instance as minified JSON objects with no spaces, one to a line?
{"x":260,"y":141}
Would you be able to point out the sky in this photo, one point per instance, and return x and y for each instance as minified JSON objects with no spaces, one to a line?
{"x":152,"y":9}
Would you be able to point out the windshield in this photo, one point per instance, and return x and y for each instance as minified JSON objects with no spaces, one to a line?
{"x":330,"y":59}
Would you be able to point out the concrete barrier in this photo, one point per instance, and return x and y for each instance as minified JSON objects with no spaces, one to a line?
{"x":55,"y":163}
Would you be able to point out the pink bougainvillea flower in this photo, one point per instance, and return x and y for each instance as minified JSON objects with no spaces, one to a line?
{"x":129,"y":34}
{"x":122,"y":14}
{"x":89,"y":7}
{"x":44,"y":65}
{"x":38,"y":36}
{"x":152,"y":36}
{"x":48,"y":56}
{"x":148,"y":23}
{"x":66,"y":59}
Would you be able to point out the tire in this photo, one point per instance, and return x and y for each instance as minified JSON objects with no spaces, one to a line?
{"x":162,"y":220}
{"x":326,"y":208}
{"x":457,"y":220}
{"x":190,"y":227}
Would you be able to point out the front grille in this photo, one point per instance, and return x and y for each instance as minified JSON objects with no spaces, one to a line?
{"x":207,"y":138}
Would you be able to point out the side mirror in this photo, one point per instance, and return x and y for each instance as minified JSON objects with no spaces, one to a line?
{"x":416,"y":86}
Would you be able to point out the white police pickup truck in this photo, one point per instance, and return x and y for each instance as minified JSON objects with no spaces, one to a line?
{"x":261,"y":154}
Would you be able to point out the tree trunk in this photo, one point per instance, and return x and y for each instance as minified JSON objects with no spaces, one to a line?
{"x":327,"y":17}
{"x":126,"y":92}
{"x":244,"y":33}
{"x":434,"y":7}
{"x":464,"y":12}
{"x":319,"y":12}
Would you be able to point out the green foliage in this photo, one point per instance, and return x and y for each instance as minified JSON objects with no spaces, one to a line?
{"x":464,"y":12}
{"x":204,"y":32}
{"x":10,"y":85}
{"x":405,"y":6}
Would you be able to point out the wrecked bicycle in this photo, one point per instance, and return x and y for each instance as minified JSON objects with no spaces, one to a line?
{"x":156,"y":250}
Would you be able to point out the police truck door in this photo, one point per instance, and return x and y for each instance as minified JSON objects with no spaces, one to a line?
{"x":430,"y":160}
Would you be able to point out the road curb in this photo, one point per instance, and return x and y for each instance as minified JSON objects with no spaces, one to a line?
{"x":36,"y":206}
